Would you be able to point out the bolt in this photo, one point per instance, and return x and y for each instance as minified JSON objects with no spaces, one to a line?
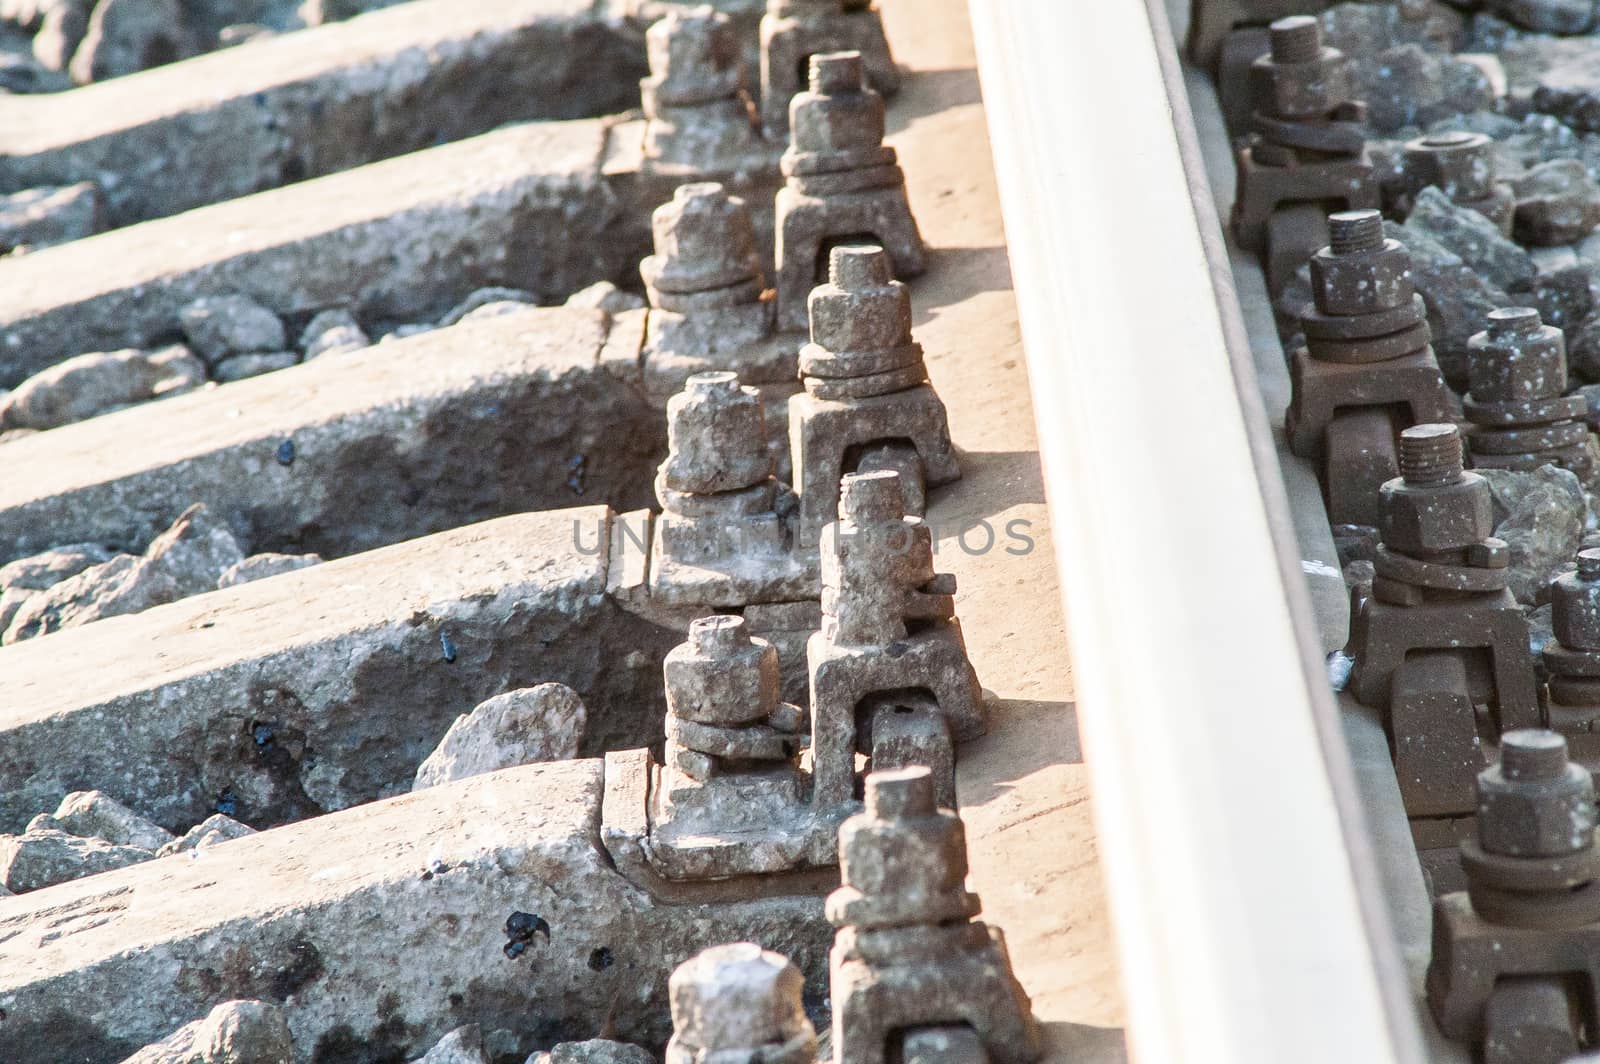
{"x":1532,"y":755}
{"x":1535,"y":802}
{"x":701,"y":190}
{"x":1514,"y":321}
{"x":1296,"y":39}
{"x":713,"y":382}
{"x":869,"y":498}
{"x":900,"y":793}
{"x":833,"y":73}
{"x":1353,"y":232}
{"x":721,"y":635}
{"x":1430,"y":455}
{"x":859,"y":267}
{"x":1589,"y":564}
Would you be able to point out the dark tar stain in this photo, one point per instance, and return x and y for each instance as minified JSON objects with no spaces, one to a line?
{"x":520,"y":931}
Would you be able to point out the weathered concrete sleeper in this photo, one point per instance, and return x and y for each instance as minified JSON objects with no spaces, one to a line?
{"x":386,"y":926}
{"x":524,"y":207}
{"x":339,"y":455}
{"x":325,"y":687}
{"x":272,"y":112}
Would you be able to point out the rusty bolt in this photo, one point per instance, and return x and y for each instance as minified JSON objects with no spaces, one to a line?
{"x":704,"y":240}
{"x":1517,"y":358}
{"x":1535,"y":802}
{"x":1459,"y":163}
{"x":1360,"y":271}
{"x":716,"y":436}
{"x":694,"y":59}
{"x":839,"y":114}
{"x":1575,"y":600}
{"x":1299,"y":77}
{"x":903,"y":861}
{"x":862,"y":308}
{"x":1434,"y":505}
{"x":722,"y":675}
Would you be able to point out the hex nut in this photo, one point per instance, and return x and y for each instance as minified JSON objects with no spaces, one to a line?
{"x":1444,"y":517}
{"x":917,"y":860}
{"x":732,"y":682}
{"x":1507,"y":366}
{"x":1301,"y":90}
{"x":1575,"y":611}
{"x":846,"y":122}
{"x":1543,"y":818}
{"x":861,"y":307}
{"x":1363,"y":282}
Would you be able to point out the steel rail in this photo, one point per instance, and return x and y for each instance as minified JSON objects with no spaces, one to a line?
{"x":1246,"y":901}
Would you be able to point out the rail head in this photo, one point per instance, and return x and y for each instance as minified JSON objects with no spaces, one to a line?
{"x":1248,"y":917}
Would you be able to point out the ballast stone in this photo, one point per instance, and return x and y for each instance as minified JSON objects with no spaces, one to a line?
{"x":127,"y":36}
{"x":44,"y":570}
{"x":40,"y":217}
{"x":464,"y":1045}
{"x":543,"y":723}
{"x":219,"y":827}
{"x":332,"y":332}
{"x":221,"y":326}
{"x":606,"y":296}
{"x":261,"y":566}
{"x":1540,"y":514}
{"x":98,"y":383}
{"x":485,"y":297}
{"x":593,"y":1051}
{"x":235,"y":1032}
{"x":45,"y":857}
{"x":94,"y":814}
{"x":1473,"y":237}
{"x":187,"y":559}
{"x":26,"y":577}
{"x":242,"y":367}
{"x":62,"y":26}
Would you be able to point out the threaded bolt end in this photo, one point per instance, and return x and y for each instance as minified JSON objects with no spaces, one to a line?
{"x":1430,"y":455}
{"x":1532,"y":754}
{"x":710,"y":191}
{"x":1514,"y":321}
{"x":836,"y":72}
{"x":1352,"y":232}
{"x":872,"y":497}
{"x":720,"y":635}
{"x":713,"y":382}
{"x":1296,"y":39}
{"x":900,"y":793}
{"x":1589,"y":564}
{"x":859,"y":267}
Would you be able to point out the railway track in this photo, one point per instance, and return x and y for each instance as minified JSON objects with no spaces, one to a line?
{"x":372,"y":462}
{"x":1388,"y":816}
